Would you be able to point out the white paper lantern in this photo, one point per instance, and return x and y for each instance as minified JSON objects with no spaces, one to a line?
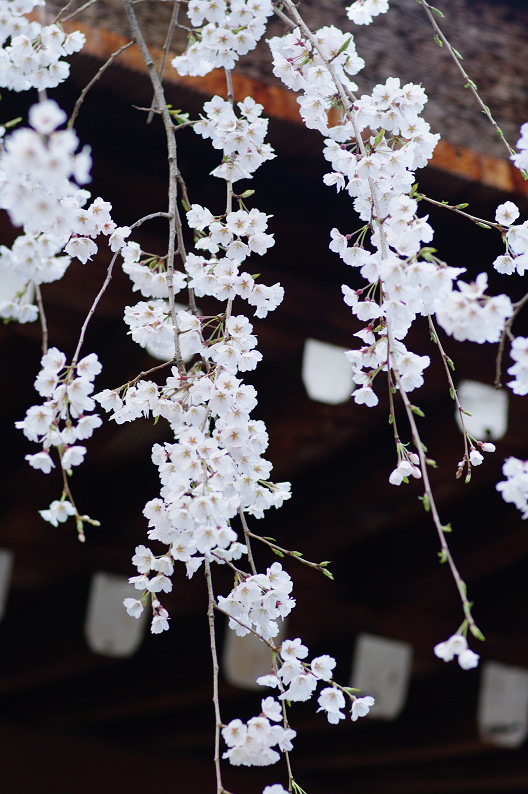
{"x":247,"y":658}
{"x":382,"y":668}
{"x":503,"y":705}
{"x":326,"y":373}
{"x":109,"y":629}
{"x":488,"y":408}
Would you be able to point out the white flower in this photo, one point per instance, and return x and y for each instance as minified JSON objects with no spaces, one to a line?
{"x":322,"y":667}
{"x":53,"y":361}
{"x":475,"y":457}
{"x":160,"y":622}
{"x":361,"y":707}
{"x":159,"y":583}
{"x":133,"y":606}
{"x":268,"y":680}
{"x":487,"y":446}
{"x":332,"y":701}
{"x":452,"y":647}
{"x":46,"y":116}
{"x":42,"y":461}
{"x":82,"y":248}
{"x":293,"y":649}
{"x":467,"y":659}
{"x":271,"y":709}
{"x":58,"y":512}
{"x":301,"y":688}
{"x":73,"y":456}
{"x":143,"y":559}
{"x":507,"y":213}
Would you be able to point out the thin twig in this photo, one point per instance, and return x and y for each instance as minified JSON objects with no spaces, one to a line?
{"x":63,"y":11}
{"x":165,"y":51}
{"x":288,"y":553}
{"x":474,"y":218}
{"x":468,"y":81}
{"x":270,"y":645}
{"x":286,"y":724}
{"x":452,"y":391}
{"x":222,"y":560}
{"x":507,"y":333}
{"x":74,"y":13}
{"x":101,"y":292}
{"x":392,"y":411}
{"x":229,"y":182}
{"x":430,"y":504}
{"x":150,"y":217}
{"x":214,"y":657}
{"x":145,"y":373}
{"x":94,"y":79}
{"x":42,"y":318}
{"x":175,"y":225}
{"x":93,"y":307}
{"x":247,"y":535}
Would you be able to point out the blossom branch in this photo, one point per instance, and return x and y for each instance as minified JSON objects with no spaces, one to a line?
{"x":175,"y":225}
{"x":270,"y":645}
{"x":507,"y":333}
{"x":468,"y":81}
{"x":482,"y":222}
{"x":448,"y":365}
{"x":297,"y":555}
{"x":430,"y":506}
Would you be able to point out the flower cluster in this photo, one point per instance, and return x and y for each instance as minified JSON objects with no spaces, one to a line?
{"x":301,"y":680}
{"x":149,"y":273}
{"x":302,"y":66}
{"x":521,"y":158}
{"x":515,"y":487}
{"x":31,"y":53}
{"x":150,"y":324}
{"x":519,"y":353}
{"x":408,"y":466}
{"x":40,"y":170}
{"x":232,"y":28}
{"x":64,"y":418}
{"x":515,"y":259}
{"x":37,"y":167}
{"x":212,"y":471}
{"x":404,"y":279}
{"x":219,"y":274}
{"x":256,"y":603}
{"x":457,"y":646}
{"x":363,"y":11}
{"x":469,"y":314}
{"x":241,"y":138}
{"x":251,"y":743}
{"x":69,"y":402}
